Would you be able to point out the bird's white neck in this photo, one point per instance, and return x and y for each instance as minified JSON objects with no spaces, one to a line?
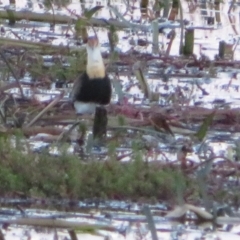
{"x":95,"y":65}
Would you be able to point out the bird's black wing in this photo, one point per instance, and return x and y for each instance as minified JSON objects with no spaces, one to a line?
{"x":76,"y":88}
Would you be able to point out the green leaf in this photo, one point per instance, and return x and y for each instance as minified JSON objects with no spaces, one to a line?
{"x":143,"y":82}
{"x":80,"y":23}
{"x":202,"y":132}
{"x":11,"y":17}
{"x":121,"y":120}
{"x":112,"y":37}
{"x":89,"y":13}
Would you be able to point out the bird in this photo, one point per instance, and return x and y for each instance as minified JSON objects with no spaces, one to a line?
{"x":93,"y":87}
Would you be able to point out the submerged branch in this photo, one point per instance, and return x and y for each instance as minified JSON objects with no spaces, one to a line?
{"x":56,"y":223}
{"x":44,"y":47}
{"x":64,"y":19}
{"x":49,"y":106}
{"x":13,"y":72}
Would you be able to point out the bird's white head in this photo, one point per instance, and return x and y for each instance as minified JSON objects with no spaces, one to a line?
{"x":95,"y":65}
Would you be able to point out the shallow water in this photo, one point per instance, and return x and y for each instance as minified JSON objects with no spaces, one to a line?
{"x":177,"y":83}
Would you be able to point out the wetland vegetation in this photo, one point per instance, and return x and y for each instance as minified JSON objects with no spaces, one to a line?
{"x":173,"y":122}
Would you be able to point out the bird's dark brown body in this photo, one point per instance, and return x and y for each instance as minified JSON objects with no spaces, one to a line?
{"x":96,"y":90}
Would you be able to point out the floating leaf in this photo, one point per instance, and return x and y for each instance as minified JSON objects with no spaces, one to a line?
{"x":89,"y":13}
{"x":202,"y":132}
